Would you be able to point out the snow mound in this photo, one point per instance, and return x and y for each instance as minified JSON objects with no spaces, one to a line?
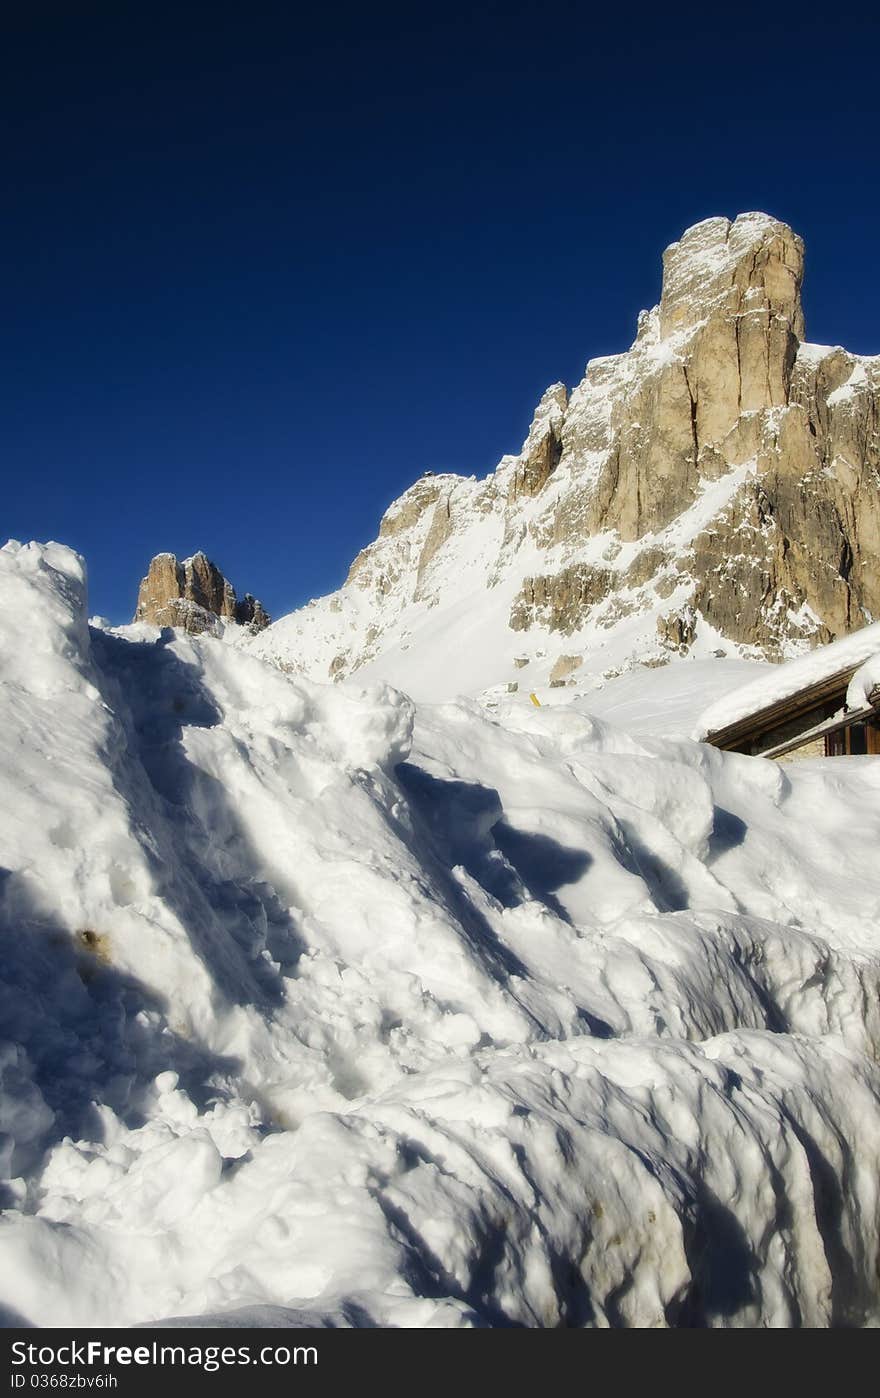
{"x":862,"y":689}
{"x":319,"y":1009}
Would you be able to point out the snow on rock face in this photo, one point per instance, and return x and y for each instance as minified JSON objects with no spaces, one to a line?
{"x":754,"y":256}
{"x":317,"y":1007}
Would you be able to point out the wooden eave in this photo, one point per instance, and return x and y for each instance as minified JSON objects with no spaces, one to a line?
{"x":821,"y":730}
{"x":783,"y":710}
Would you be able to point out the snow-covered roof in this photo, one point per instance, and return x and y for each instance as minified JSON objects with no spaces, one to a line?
{"x":789,"y":679}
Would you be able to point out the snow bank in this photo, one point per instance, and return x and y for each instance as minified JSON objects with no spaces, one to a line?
{"x":317,"y":1009}
{"x":668,"y":699}
{"x":864,"y":684}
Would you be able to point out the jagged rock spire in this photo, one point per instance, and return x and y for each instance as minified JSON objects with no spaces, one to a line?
{"x":193,"y":594}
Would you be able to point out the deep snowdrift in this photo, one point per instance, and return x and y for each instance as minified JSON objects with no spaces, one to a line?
{"x":315,"y":1005}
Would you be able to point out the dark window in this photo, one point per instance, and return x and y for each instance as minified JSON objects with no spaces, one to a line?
{"x":858,"y":743}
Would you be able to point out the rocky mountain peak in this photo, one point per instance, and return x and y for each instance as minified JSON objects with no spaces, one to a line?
{"x":686,"y":401}
{"x":754,"y":264}
{"x":714,"y":488}
{"x":194,"y":595}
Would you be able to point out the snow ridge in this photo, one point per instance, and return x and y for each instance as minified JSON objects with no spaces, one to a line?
{"x":322,"y":1006}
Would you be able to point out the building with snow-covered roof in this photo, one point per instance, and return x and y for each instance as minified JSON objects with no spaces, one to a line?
{"x":826,"y":704}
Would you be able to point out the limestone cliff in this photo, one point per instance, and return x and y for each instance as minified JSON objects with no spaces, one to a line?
{"x":717,"y":486}
{"x":194,"y":595}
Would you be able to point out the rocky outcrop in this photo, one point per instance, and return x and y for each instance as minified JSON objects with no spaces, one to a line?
{"x":558,"y":601}
{"x":195,"y":596}
{"x":677,"y":630}
{"x":250,"y":612}
{"x":563,"y":668}
{"x":542,"y":449}
{"x":719,"y":480}
{"x":717,"y":380}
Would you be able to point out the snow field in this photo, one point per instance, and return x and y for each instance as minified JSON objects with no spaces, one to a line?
{"x":317,"y":1004}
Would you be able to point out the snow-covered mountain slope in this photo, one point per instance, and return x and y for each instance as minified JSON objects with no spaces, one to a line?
{"x":316,"y":1004}
{"x":714,"y":488}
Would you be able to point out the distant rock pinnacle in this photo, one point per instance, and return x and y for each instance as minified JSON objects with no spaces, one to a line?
{"x":194,"y":595}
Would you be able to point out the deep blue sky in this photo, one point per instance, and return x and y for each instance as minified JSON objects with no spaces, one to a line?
{"x":263,"y":267}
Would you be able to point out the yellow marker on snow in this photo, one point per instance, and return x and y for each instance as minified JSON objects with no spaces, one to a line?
{"x":535,"y":700}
